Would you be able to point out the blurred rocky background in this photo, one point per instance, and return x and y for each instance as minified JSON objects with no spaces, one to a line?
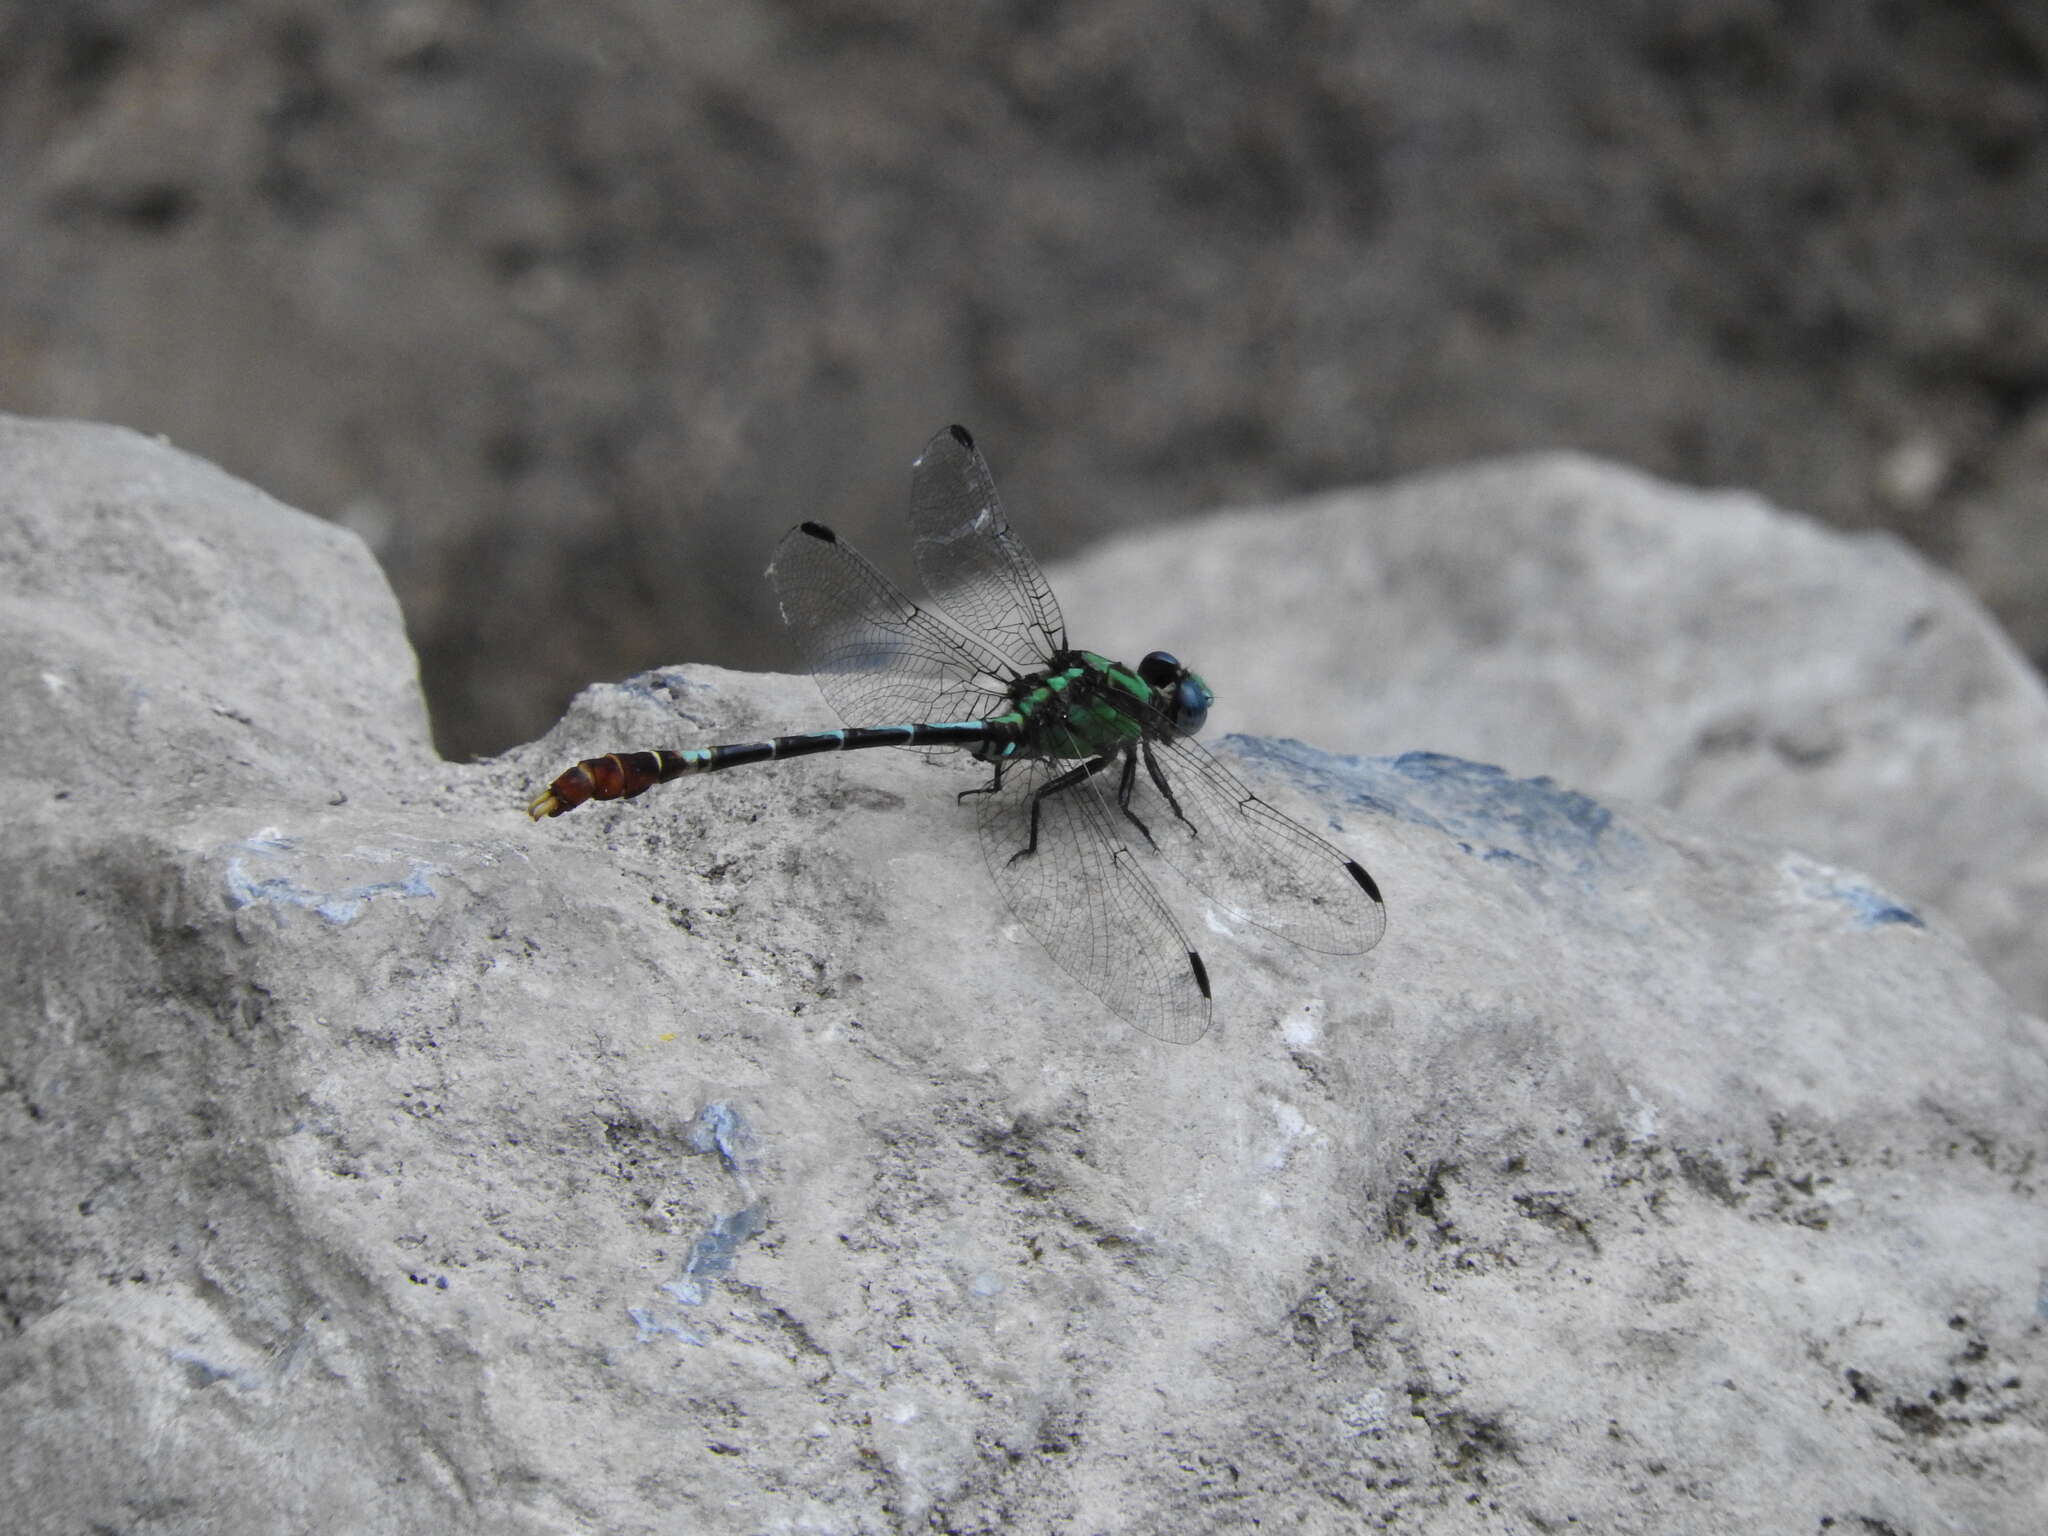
{"x":569,"y":310}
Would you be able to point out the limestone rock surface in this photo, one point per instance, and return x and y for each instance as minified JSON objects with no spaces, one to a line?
{"x":727,"y":1162}
{"x":1705,"y":652}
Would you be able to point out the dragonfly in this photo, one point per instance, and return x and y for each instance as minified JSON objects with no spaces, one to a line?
{"x":1088,"y":761}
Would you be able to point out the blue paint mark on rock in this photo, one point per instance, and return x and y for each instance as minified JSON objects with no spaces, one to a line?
{"x":712,"y":1254}
{"x":651,"y":1327}
{"x":1870,"y":906}
{"x":1873,"y":908}
{"x":722,"y":1129}
{"x":246,"y":889}
{"x":719,"y":1128}
{"x":1534,"y":824}
{"x":201,"y":1372}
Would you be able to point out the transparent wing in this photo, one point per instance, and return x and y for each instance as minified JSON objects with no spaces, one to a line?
{"x":1267,"y":868}
{"x":972,"y":564}
{"x":878,"y":657}
{"x":1085,"y":899}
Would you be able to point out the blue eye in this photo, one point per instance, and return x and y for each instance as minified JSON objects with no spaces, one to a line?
{"x":1187,"y":698}
{"x":1161,"y":669}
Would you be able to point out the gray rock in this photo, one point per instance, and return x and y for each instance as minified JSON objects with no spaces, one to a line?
{"x":726,"y":1162}
{"x":1704,"y":652}
{"x":189,"y":630}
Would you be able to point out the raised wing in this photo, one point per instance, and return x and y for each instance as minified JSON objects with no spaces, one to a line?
{"x":879,"y":658}
{"x":972,"y":564}
{"x":1266,"y":868}
{"x":1083,"y":896}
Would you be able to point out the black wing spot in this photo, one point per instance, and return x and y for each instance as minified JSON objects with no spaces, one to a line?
{"x":819,"y":531}
{"x":961,"y":435}
{"x":1201,"y":972}
{"x":1364,"y":880}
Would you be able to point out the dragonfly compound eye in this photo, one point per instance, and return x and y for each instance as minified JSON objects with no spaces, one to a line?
{"x":1191,"y":701}
{"x":1161,"y":669}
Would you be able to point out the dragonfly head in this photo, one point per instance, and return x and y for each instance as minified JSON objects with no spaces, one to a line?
{"x":1181,"y":695}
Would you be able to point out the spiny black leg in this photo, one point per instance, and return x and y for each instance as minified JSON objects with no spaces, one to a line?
{"x":1123,"y":794}
{"x":1159,"y":779}
{"x":1074,"y":775}
{"x":989,"y":788}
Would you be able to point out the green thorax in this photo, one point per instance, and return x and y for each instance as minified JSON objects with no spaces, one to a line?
{"x":1101,"y":705}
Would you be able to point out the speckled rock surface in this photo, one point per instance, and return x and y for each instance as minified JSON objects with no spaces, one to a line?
{"x":726,"y":1162}
{"x":1708,"y":653}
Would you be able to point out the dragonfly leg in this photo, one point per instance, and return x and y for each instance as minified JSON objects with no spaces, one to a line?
{"x":1159,"y":782}
{"x":989,"y":788}
{"x":1077,"y":774}
{"x":1123,"y":793}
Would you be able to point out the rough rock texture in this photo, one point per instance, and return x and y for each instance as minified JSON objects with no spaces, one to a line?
{"x":1709,"y":653}
{"x":725,"y":1162}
